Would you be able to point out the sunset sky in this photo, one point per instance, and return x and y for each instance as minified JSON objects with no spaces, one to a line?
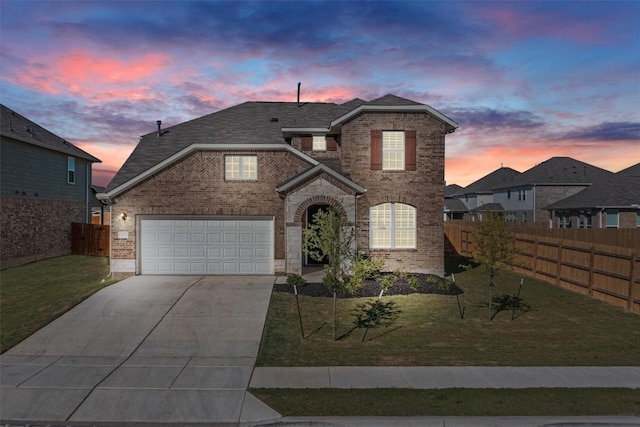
{"x":526,"y":80}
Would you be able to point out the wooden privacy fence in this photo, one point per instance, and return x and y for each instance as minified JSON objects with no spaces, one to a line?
{"x":579,"y":260}
{"x":89,"y":239}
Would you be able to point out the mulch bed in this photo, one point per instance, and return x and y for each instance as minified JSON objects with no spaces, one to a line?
{"x":427,"y":284}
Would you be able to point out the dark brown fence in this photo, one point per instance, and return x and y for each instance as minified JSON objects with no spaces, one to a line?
{"x":602,"y":263}
{"x":89,"y":239}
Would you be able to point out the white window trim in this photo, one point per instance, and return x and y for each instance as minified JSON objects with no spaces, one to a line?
{"x":319,"y":143}
{"x":606,"y":218}
{"x":71,"y":169}
{"x":394,"y":150}
{"x":392,"y":227}
{"x":241,"y":169}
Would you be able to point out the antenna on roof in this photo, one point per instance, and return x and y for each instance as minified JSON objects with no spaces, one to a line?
{"x":299,"y":93}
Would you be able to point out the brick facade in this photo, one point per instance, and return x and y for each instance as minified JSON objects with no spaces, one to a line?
{"x":422,"y":188}
{"x":34,"y":229}
{"x":195,"y":185}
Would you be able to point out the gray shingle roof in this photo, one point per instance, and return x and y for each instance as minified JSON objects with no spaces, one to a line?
{"x":499,"y":178}
{"x":452,"y":189}
{"x":454,"y":205}
{"x":247,"y":123}
{"x":616,"y":190}
{"x":488,"y":207}
{"x":18,"y":127}
{"x":559,"y":170}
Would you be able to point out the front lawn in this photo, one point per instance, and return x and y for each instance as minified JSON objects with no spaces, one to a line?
{"x":560,"y":328}
{"x":34,"y":294}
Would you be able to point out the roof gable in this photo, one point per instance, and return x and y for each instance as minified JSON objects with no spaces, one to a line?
{"x":561,"y":170}
{"x":621,"y":189}
{"x":18,"y":127}
{"x":500,"y":177}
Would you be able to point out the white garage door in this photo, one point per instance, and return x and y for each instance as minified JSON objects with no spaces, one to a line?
{"x":206,"y":246}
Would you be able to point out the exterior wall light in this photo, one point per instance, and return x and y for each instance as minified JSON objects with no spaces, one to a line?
{"x":123,"y":215}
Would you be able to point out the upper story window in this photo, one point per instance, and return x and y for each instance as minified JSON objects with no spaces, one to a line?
{"x":393,"y":150}
{"x":71,"y":170}
{"x":392,"y":226}
{"x":522,"y":195}
{"x":240,"y":168}
{"x":319,"y":143}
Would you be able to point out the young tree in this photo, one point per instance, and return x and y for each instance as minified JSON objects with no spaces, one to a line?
{"x":344,"y":270}
{"x":494,"y":248}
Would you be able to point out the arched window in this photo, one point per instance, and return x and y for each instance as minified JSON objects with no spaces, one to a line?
{"x":392,"y":226}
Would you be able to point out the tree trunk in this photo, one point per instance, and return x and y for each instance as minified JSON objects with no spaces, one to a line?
{"x":335,"y":316}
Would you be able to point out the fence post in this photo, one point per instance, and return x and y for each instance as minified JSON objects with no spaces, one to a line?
{"x":559,"y":265}
{"x":535,"y":258}
{"x":631,"y":281}
{"x":592,"y":260}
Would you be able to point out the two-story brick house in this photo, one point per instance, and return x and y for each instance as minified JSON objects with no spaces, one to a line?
{"x":611,"y":202}
{"x":231,"y":192}
{"x":46,"y":185}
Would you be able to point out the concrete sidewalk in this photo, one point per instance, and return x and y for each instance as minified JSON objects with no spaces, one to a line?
{"x":433,"y":377}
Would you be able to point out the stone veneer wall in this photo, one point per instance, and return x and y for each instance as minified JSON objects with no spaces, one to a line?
{"x":546,"y":195}
{"x":321,"y":190}
{"x":422,"y":188}
{"x":33,"y":229}
{"x":195,"y":185}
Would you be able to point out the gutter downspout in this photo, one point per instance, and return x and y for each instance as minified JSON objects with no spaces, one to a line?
{"x":534,"y":203}
{"x":87,"y":209}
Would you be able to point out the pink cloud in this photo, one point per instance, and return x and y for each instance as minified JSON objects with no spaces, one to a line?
{"x":90,"y":75}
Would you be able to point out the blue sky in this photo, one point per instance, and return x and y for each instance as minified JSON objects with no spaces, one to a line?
{"x":526,"y":80}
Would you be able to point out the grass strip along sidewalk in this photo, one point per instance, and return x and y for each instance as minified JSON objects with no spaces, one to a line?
{"x":459,"y":402}
{"x":34,"y":294}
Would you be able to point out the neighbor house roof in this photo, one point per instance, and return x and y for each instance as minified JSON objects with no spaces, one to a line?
{"x":451,"y":189}
{"x":251,"y":123}
{"x":454,"y":205}
{"x":488,"y":207}
{"x":500,"y":177}
{"x":19,"y":128}
{"x":617,"y":190}
{"x":559,"y":171}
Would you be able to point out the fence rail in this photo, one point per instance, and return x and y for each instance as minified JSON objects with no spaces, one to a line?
{"x":90,"y":239}
{"x":604,"y":264}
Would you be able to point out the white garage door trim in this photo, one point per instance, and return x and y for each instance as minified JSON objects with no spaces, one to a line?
{"x":205,"y":245}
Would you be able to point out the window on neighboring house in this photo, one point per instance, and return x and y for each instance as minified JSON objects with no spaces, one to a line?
{"x":612,"y":218}
{"x":524,"y":217}
{"x":71,"y":170}
{"x":392,"y":226}
{"x":241,"y":168}
{"x":319,"y":143}
{"x":522,"y":195}
{"x":508,"y":194}
{"x":638,"y":219}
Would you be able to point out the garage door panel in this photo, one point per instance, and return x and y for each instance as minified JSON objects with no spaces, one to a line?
{"x":206,"y":246}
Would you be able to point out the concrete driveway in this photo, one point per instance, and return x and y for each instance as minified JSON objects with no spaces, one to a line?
{"x":147,"y":349}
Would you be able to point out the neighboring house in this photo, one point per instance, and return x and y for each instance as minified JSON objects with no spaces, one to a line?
{"x":453,"y":208}
{"x":526,"y":197}
{"x":611,"y":202}
{"x":231,"y":192}
{"x":477,"y":197}
{"x":100,"y":209}
{"x":46,"y":185}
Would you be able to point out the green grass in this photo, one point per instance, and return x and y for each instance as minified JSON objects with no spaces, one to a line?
{"x":561,"y":329}
{"x":458,"y":402}
{"x":33,"y":295}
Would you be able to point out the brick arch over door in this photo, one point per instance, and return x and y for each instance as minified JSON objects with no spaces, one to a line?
{"x":316,"y":200}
